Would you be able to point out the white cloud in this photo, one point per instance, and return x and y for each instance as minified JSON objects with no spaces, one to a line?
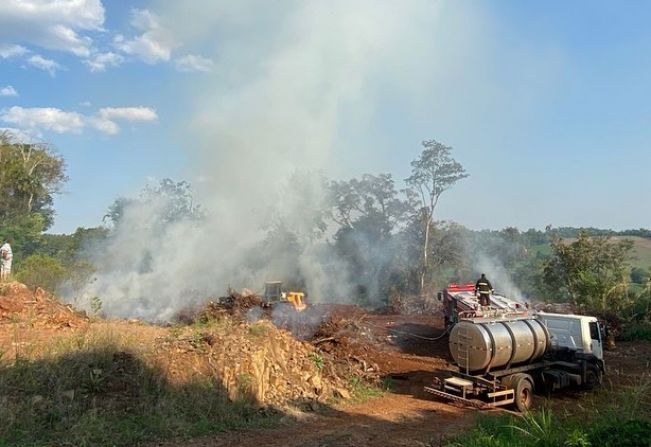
{"x":8,"y":91}
{"x":9,"y":51}
{"x":153,"y":45}
{"x":193,"y":62}
{"x":52,"y":24}
{"x":106,"y":117}
{"x":100,"y":61}
{"x":128,"y":113}
{"x":42,"y":63}
{"x":38,"y":119}
{"x":103,"y":125}
{"x":46,"y":118}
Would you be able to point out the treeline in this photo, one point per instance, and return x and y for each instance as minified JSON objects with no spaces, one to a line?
{"x":572,"y":232}
{"x":382,"y":235}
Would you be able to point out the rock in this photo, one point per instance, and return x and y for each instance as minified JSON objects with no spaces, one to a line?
{"x":316,"y":382}
{"x":342,"y":392}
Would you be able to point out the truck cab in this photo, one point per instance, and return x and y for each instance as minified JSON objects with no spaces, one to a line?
{"x":576,"y":332}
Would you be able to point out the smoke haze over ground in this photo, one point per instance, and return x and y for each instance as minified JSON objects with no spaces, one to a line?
{"x":272,"y":109}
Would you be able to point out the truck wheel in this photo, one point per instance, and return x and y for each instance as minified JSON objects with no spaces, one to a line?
{"x":592,"y":377}
{"x":523,"y":392}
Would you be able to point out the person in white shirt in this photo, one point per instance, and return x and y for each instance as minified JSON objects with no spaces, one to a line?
{"x":6,"y":256}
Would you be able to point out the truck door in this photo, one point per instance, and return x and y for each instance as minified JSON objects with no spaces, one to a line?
{"x":596,"y":343}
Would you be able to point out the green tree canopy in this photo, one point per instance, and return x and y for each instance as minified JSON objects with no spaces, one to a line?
{"x":30,"y":176}
{"x":591,"y":271}
{"x":173,"y":202}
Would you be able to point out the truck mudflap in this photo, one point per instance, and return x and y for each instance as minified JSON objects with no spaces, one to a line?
{"x":475,"y":393}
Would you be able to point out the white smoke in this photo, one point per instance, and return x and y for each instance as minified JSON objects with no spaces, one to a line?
{"x":287,"y":75}
{"x":498,"y":275}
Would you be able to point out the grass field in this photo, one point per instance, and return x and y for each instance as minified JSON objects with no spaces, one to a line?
{"x":641,"y":250}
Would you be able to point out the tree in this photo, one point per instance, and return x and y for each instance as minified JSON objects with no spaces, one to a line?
{"x":368,"y":210}
{"x":432,"y":173}
{"x":66,"y":247}
{"x":30,"y":176}
{"x":172,"y":202}
{"x":372,"y":200}
{"x":590,"y":271}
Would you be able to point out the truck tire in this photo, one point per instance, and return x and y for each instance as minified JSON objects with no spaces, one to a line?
{"x":592,"y":377}
{"x":523,"y":393}
{"x":522,"y":389}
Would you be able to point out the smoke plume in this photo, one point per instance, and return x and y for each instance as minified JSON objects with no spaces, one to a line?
{"x":289,"y":78}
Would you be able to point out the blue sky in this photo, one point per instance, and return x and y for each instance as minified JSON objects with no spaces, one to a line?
{"x":546,"y":104}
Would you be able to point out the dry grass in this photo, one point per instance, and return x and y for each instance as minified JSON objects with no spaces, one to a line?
{"x":104,"y":385}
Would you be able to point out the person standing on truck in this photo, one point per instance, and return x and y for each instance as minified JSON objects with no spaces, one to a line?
{"x":484,"y":289}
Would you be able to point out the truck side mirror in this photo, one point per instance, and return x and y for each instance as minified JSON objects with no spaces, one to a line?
{"x":439,"y":296}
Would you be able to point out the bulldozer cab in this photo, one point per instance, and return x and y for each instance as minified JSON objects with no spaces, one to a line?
{"x":273,"y":291}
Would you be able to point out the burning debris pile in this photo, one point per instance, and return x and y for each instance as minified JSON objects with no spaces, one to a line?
{"x":234,"y":304}
{"x":343,"y":342}
{"x":36,"y":308}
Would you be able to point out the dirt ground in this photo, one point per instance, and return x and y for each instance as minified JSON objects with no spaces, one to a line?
{"x":402,"y":348}
{"x":404,"y":416}
{"x":405,"y":351}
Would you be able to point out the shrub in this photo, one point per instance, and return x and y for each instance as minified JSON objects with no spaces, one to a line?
{"x":637,"y":331}
{"x":618,"y":433}
{"x":42,"y":271}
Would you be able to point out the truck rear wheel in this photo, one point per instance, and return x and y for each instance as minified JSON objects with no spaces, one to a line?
{"x":523,"y":393}
{"x":522,"y":389}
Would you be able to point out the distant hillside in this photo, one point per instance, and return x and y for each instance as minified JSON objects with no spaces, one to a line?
{"x":641,"y":250}
{"x":570,"y":232}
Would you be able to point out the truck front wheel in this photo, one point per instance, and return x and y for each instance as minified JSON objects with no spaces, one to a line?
{"x":592,"y":377}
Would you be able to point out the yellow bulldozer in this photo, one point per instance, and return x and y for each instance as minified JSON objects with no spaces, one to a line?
{"x":273,"y":293}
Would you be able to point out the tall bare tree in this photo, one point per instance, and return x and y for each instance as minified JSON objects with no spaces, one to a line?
{"x":432,"y":173}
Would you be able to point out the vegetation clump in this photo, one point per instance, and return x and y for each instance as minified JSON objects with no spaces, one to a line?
{"x":615,"y":418}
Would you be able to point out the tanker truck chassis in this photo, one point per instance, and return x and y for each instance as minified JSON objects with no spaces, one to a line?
{"x":502,"y":361}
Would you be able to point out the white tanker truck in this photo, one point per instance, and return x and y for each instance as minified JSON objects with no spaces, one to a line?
{"x":502,"y":359}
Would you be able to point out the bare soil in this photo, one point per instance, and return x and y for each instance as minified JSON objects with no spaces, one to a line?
{"x":401,"y":350}
{"x":404,"y":352}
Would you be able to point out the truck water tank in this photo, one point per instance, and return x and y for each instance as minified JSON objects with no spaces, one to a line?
{"x":481,"y":345}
